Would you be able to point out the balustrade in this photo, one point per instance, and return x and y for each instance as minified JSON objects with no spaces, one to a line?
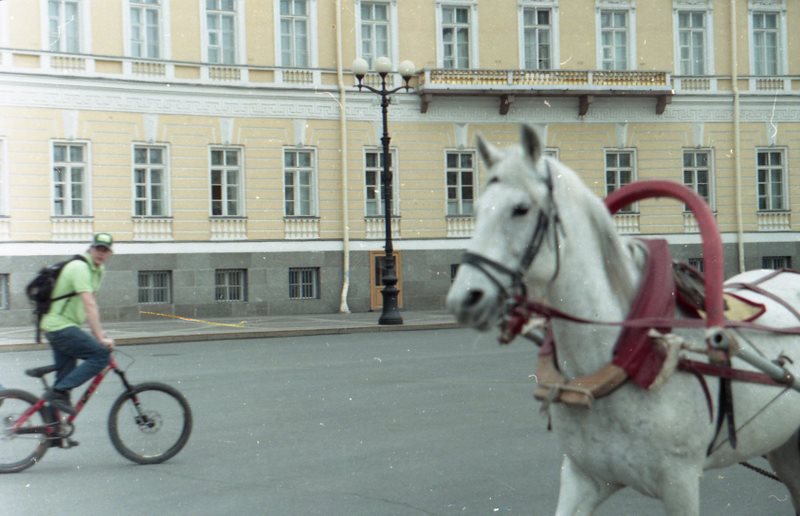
{"x":300,"y":228}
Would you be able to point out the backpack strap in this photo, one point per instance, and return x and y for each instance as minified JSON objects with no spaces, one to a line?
{"x":59,"y":298}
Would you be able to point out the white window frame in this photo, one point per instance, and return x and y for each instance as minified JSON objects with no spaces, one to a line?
{"x":5,"y":291}
{"x":67,"y":198}
{"x":84,"y":27}
{"x":150,"y":289}
{"x":684,"y":6}
{"x":164,"y":35}
{"x":315,"y":284}
{"x":4,"y":185}
{"x":778,"y":8}
{"x":166,"y":182}
{"x":603,"y":6}
{"x":697,"y":263}
{"x":229,"y":282}
{"x":618,"y":169}
{"x":784,"y":170}
{"x":240,"y":38}
{"x":770,"y":262}
{"x":313,"y":55}
{"x":472,"y":5}
{"x":460,"y":185}
{"x":552,"y":6}
{"x":394,"y":43}
{"x":394,"y":167}
{"x":694,"y":168}
{"x":313,"y":187}
{"x":225,"y":167}
{"x":4,"y":39}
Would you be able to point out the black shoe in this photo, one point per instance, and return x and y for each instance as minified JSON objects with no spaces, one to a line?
{"x":67,"y":443}
{"x":59,"y":400}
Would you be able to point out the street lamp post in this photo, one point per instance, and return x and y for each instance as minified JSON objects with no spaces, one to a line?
{"x":390,"y":313}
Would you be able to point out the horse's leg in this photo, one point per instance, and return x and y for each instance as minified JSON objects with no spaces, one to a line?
{"x":785,"y":460}
{"x":680,"y":491}
{"x":580,"y":494}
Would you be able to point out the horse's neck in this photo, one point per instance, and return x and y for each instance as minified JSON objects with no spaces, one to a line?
{"x":598,"y":280}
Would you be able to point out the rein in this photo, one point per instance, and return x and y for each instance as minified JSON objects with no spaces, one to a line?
{"x":527,"y":308}
{"x":543,"y":221}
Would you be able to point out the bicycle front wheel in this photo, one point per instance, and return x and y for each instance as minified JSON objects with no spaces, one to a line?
{"x":150,"y":423}
{"x":22,"y":445}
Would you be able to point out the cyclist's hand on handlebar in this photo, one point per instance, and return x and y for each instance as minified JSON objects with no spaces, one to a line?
{"x":107,"y":342}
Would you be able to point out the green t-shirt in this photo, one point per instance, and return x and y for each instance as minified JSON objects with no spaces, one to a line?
{"x":76,"y":276}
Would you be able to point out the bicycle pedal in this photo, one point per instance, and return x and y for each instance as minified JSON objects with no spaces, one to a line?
{"x":67,"y":443}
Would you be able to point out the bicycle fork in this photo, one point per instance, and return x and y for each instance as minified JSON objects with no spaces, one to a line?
{"x":141,"y":418}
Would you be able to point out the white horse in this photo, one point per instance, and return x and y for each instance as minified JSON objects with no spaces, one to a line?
{"x":537,"y":220}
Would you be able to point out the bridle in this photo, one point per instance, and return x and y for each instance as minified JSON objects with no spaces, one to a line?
{"x":491,"y":268}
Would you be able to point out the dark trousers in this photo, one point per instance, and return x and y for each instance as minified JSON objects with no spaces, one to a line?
{"x":69,"y":345}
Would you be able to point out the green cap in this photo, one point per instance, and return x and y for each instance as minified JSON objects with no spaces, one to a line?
{"x":103,"y":240}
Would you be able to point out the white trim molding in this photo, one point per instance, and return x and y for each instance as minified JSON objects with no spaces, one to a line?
{"x":474,"y":55}
{"x":617,"y":5}
{"x":555,"y":35}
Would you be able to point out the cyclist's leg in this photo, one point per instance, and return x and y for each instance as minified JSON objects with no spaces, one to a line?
{"x":63,"y":362}
{"x":76,"y":343}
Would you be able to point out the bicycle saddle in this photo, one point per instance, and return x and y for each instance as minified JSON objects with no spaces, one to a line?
{"x":38,"y":372}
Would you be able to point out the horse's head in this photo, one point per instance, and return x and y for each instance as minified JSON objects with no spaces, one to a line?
{"x":516,"y":232}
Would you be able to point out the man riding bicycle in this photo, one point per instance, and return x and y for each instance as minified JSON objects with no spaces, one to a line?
{"x":78,"y":281}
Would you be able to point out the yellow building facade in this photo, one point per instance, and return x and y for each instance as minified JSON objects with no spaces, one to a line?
{"x":225,"y":145}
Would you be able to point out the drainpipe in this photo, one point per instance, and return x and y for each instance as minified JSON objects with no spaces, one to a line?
{"x":737,"y":139}
{"x":343,"y":143}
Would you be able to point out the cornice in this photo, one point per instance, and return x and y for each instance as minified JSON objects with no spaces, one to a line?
{"x":276,"y":103}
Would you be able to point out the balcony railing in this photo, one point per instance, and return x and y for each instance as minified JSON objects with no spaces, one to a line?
{"x":774,"y":220}
{"x":300,"y":228}
{"x":228,"y":228}
{"x":507,"y":84}
{"x":71,"y":229}
{"x":376,"y":227}
{"x":460,"y":226}
{"x":627,"y":223}
{"x":152,"y":229}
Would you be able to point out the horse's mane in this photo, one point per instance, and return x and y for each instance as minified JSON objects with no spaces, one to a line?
{"x":570,"y":190}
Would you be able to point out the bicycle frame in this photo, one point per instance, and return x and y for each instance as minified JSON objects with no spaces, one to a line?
{"x":49,"y":431}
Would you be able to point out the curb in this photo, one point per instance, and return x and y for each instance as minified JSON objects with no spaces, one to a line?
{"x":256,"y":334}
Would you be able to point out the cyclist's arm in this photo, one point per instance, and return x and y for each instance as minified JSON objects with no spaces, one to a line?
{"x":93,"y":318}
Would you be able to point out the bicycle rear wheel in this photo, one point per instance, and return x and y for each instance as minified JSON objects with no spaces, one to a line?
{"x":150,"y":423}
{"x":23,"y":447}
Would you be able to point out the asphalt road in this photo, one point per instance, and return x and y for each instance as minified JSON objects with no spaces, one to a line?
{"x":401,"y":423}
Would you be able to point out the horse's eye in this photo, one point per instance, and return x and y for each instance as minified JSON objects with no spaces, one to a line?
{"x":520,"y":210}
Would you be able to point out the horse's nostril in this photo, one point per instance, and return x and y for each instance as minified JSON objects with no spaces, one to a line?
{"x":473,"y":297}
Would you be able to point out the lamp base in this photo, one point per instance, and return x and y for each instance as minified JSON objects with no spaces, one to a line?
{"x":390,"y":313}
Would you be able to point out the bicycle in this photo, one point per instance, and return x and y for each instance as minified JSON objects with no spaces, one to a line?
{"x":144,"y":415}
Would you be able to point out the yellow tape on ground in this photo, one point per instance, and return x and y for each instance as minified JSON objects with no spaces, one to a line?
{"x":189,"y":319}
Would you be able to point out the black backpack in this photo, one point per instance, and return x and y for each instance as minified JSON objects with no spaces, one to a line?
{"x":40,"y":290}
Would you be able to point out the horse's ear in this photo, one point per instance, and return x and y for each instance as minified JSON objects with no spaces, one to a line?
{"x":488,"y":152}
{"x":531,"y":143}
